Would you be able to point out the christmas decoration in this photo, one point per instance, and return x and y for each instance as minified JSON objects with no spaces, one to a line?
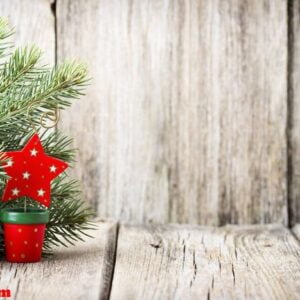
{"x":24,"y":233}
{"x":31,"y":171}
{"x":36,"y":203}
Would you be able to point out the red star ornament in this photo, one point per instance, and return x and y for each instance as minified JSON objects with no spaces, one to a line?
{"x":30,"y":172}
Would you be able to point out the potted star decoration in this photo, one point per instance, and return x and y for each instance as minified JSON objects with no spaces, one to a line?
{"x":30,"y":173}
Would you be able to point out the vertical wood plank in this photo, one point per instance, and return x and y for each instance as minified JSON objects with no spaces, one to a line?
{"x":34,"y":24}
{"x":294,"y":111}
{"x":185,"y":118}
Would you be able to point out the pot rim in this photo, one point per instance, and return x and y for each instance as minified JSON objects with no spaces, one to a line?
{"x":19,"y":216}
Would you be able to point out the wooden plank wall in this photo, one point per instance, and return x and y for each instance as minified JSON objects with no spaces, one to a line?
{"x":186,"y":116}
{"x":33,"y":23}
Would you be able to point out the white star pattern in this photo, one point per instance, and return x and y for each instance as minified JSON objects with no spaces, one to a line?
{"x":15,"y":192}
{"x":9,"y":163}
{"x":41,"y":192}
{"x":52,"y":169}
{"x":30,"y":172}
{"x":26,"y":175}
{"x":33,"y":152}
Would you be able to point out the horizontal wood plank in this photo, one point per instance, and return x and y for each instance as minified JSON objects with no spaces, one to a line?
{"x":176,"y":262}
{"x":80,"y":272}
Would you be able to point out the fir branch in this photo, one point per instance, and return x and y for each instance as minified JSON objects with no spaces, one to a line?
{"x":69,"y":216}
{"x":48,"y":90}
{"x":19,"y":67}
{"x":3,"y":176}
{"x":5,"y":32}
{"x":57,"y":145}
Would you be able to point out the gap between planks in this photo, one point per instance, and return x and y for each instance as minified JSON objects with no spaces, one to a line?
{"x":112,"y":271}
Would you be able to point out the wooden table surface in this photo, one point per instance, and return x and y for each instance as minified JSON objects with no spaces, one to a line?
{"x":166,"y":262}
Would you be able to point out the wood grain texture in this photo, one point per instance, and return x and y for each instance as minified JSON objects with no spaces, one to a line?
{"x":81,"y":272}
{"x":33,"y":22}
{"x":296,"y":231}
{"x":185,"y":118}
{"x":193,"y":262}
{"x":294,"y":111}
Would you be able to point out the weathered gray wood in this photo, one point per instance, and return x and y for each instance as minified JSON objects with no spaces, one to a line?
{"x":294,"y":109}
{"x":81,"y":272}
{"x":185,"y":117}
{"x":34,"y":24}
{"x":296,"y":231}
{"x":190,"y":262}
